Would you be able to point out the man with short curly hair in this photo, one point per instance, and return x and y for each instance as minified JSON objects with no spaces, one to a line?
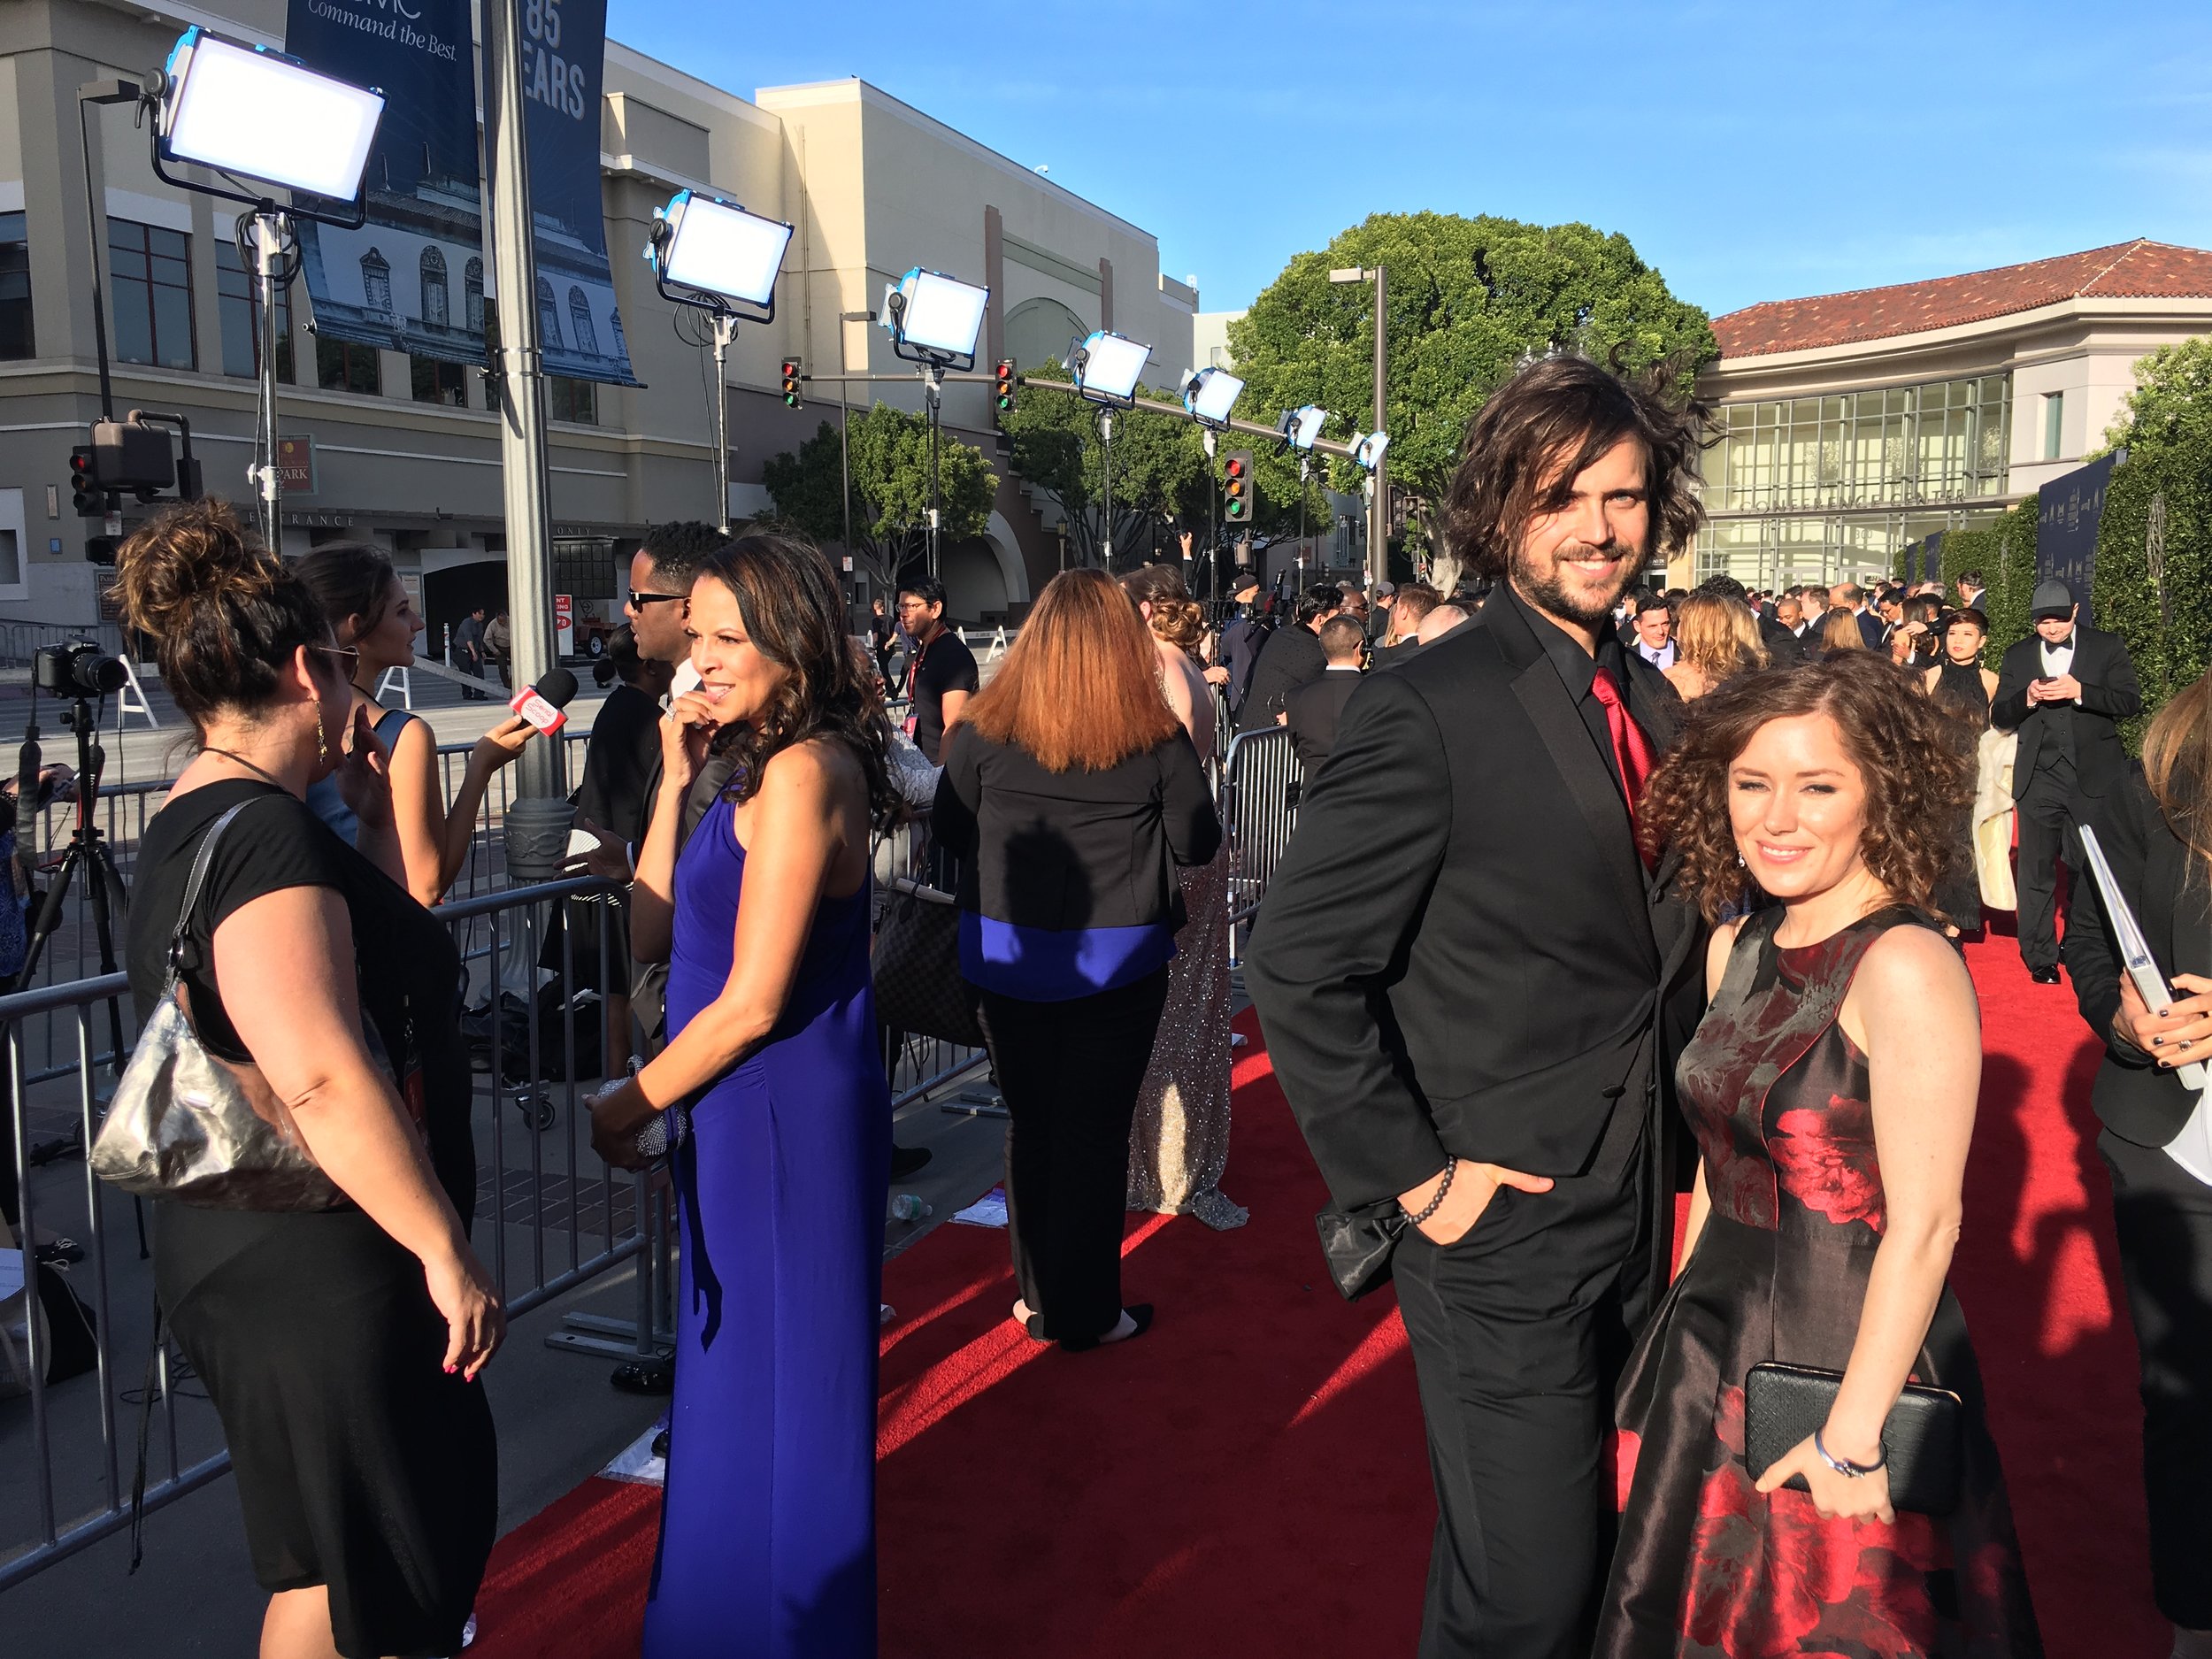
{"x":1473,"y":987}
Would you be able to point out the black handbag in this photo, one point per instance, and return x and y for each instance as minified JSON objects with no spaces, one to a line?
{"x":1922,"y":1440}
{"x":916,"y":963}
{"x":1359,"y":1244}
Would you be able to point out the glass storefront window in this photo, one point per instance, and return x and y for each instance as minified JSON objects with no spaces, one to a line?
{"x":1939,"y":442}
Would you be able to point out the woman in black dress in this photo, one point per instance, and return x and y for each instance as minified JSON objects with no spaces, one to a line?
{"x":2157,"y":1140}
{"x":341,"y":1346}
{"x":1831,"y":1090}
{"x":1962,"y":688}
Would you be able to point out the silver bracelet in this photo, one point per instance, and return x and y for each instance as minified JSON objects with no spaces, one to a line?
{"x":1844,"y":1465}
{"x":1451,"y":1168}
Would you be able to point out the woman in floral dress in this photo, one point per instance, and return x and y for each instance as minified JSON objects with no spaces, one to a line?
{"x":1831,"y":1090}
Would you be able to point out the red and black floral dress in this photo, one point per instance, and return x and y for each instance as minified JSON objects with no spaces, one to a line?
{"x":1777,"y":1094}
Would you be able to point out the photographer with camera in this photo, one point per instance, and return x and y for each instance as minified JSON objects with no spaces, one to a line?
{"x":375,"y":623}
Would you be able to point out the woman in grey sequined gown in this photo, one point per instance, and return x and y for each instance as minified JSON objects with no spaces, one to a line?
{"x":1179,"y":1142}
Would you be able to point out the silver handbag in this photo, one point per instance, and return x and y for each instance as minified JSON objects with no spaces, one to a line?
{"x":191,"y":1127}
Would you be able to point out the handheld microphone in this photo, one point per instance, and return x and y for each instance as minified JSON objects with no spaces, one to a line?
{"x":544,"y":705}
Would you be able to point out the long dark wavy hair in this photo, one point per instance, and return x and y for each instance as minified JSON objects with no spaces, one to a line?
{"x":795,"y":615}
{"x":1570,"y":409}
{"x":1919,"y":780}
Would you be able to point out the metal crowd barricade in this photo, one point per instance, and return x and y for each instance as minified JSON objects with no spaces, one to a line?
{"x":1261,"y":778}
{"x":551,"y":1216}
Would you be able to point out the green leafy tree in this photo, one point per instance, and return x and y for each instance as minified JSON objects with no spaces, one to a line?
{"x":2153,"y":580}
{"x":890,"y":489}
{"x":1469,"y":300}
{"x":1163,"y":486}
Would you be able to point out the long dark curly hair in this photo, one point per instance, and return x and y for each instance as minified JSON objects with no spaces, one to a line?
{"x":795,"y":615}
{"x":1919,"y":782}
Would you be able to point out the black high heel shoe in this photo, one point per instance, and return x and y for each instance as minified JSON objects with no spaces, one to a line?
{"x":1139,"y":1316}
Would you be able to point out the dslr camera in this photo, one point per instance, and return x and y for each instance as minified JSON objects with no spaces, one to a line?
{"x":79,"y":669}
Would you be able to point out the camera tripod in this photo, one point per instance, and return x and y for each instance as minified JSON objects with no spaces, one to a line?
{"x":87,"y":856}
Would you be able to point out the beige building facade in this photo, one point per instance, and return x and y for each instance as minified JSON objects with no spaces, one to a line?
{"x":406,"y":452}
{"x":1854,"y":425}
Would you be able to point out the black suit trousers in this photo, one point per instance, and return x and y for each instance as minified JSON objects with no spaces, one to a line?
{"x":2164,"y":1219}
{"x":1070,"y":1071}
{"x":1519,"y":1330}
{"x":2047,"y":813}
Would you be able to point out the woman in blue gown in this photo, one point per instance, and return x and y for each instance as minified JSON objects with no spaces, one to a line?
{"x":768,"y":1522}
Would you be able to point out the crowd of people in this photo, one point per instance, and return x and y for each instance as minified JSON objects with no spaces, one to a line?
{"x":1595,"y":894}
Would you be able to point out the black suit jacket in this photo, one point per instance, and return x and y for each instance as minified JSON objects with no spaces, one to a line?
{"x":2135,"y":1100}
{"x":1314,"y":709}
{"x":1461,"y":950}
{"x":1784,"y":648}
{"x":1292,"y":656}
{"x":2108,"y":694}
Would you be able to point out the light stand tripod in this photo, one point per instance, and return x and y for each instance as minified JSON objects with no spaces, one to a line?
{"x":88,"y":853}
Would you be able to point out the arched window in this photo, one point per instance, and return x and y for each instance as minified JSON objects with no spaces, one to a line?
{"x":614,"y":321}
{"x":579,"y":316}
{"x":549,"y":316}
{"x":376,"y":282}
{"x":473,"y":294}
{"x":434,"y":294}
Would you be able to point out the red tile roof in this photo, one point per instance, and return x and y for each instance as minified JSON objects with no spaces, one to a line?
{"x":2138,"y":269}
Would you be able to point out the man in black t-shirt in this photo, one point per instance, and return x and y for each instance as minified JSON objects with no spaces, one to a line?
{"x":941,"y":674}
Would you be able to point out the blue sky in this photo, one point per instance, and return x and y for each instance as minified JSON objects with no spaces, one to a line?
{"x":1750,"y":151}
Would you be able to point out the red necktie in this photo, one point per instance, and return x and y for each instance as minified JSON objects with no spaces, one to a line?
{"x":1632,"y":750}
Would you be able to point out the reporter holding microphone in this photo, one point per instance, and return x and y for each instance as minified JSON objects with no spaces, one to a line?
{"x":341,"y":1346}
{"x":2156,"y":830}
{"x":375,"y":624}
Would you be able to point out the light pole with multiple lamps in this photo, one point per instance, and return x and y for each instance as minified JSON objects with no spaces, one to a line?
{"x":1105,"y":366}
{"x":934,"y":321}
{"x":1379,"y":480}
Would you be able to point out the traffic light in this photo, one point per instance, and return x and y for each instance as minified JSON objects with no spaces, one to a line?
{"x":1236,"y":486}
{"x":792,"y":398}
{"x":87,"y":500}
{"x":1005,"y":386}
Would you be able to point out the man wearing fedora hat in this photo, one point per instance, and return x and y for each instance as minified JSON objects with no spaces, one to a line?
{"x":2061,"y":688}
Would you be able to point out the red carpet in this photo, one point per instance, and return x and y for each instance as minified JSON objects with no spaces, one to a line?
{"x":1250,"y":1477}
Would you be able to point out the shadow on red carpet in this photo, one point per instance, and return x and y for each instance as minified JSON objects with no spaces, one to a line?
{"x":1251,"y":1478}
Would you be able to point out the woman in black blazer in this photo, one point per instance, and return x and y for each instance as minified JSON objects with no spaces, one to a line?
{"x":2157,"y":830}
{"x":1071,"y":793}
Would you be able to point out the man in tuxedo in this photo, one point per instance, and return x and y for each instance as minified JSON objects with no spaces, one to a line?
{"x":1851,"y":597}
{"x":1473,"y":987}
{"x":1238,"y":650}
{"x":1292,"y":656}
{"x":1311,"y":711}
{"x":2061,"y":688}
{"x":1972,"y":590}
{"x":1414,"y":602}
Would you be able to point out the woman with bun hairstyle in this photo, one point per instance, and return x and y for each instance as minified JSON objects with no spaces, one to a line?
{"x":368,"y":611}
{"x":1178,"y":1141}
{"x":341,"y":1346}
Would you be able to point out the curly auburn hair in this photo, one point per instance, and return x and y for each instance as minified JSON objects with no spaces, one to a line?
{"x":1914,"y":809}
{"x":1570,"y":409}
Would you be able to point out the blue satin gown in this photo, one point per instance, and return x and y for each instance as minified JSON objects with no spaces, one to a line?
{"x":768,"y":1523}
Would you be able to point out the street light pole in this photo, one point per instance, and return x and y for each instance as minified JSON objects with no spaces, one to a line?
{"x":538,"y":849}
{"x":1379,"y":495}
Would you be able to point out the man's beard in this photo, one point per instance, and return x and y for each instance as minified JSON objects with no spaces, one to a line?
{"x":1541,"y":582}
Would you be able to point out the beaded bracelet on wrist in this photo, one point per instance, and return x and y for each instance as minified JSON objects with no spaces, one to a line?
{"x":1451,"y":1168}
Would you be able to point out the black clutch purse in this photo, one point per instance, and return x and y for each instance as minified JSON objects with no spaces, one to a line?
{"x":1359,"y":1244}
{"x":1784,"y":1404}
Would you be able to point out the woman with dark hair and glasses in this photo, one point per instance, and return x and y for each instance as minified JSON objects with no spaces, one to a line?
{"x":375,"y":623}
{"x":768,"y":1520}
{"x":1831,"y":1088}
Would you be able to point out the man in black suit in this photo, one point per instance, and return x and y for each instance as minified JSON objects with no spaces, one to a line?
{"x":2061,"y":688}
{"x":1311,"y":711}
{"x":1292,"y":657}
{"x":1473,"y":987}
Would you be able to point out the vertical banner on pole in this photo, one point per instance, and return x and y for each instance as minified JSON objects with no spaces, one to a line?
{"x":2066,"y":527}
{"x":414,"y":278}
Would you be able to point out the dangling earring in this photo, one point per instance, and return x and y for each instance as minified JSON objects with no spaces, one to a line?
{"x":1739,"y":864}
{"x":322,"y":743}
